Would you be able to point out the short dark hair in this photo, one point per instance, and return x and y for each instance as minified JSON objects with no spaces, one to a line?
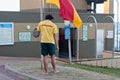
{"x":49,"y":16}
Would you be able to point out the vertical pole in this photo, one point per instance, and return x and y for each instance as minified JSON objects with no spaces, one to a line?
{"x":70,"y":58}
{"x":117,"y":22}
{"x":78,"y":45}
{"x":94,"y":7}
{"x":49,"y":8}
{"x":66,"y":22}
{"x":96,"y":46}
{"x":41,"y":18}
{"x":41,"y":9}
{"x":113,"y":52}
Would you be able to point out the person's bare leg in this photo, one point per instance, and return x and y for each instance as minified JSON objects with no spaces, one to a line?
{"x":42,"y":62}
{"x":53,"y":62}
{"x":45,"y":61}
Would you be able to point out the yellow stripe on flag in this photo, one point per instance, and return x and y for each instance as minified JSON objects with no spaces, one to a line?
{"x":77,"y":20}
{"x":56,"y":2}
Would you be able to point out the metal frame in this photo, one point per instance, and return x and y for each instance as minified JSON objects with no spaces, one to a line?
{"x":96,"y":27}
{"x":113,"y":34}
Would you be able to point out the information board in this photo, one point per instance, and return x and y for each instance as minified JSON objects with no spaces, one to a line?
{"x":6,"y":33}
{"x":24,"y":36}
{"x":85,"y":32}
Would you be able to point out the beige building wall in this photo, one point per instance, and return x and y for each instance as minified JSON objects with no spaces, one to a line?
{"x":91,"y":30}
{"x":22,"y":27}
{"x":108,"y":6}
{"x":80,"y":4}
{"x":29,"y":4}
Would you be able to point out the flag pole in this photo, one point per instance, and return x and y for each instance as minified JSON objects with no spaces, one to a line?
{"x":41,"y":18}
{"x":77,"y":44}
{"x":67,"y":22}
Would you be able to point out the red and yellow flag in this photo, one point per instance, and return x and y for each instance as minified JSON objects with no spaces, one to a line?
{"x":67,"y":11}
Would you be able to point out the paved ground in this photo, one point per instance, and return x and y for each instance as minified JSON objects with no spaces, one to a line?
{"x":31,"y":67}
{"x":4,"y":74}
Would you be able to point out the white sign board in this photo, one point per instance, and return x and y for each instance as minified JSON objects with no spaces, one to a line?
{"x":110,"y":34}
{"x":9,"y":5}
{"x":6,"y":33}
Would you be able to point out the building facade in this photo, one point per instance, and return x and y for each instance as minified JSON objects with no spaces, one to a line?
{"x":29,"y":15}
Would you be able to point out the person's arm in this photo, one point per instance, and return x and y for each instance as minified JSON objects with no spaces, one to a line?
{"x":38,"y":29}
{"x":56,"y":42}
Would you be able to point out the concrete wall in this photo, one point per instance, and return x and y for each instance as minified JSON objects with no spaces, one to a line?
{"x":21,"y":49}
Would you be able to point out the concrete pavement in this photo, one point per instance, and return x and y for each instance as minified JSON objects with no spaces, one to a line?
{"x":30,"y":69}
{"x":4,"y":74}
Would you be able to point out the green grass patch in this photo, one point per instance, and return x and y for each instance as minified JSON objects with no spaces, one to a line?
{"x":105,"y":70}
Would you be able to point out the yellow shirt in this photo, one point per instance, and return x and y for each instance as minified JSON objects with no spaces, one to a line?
{"x":47,"y":28}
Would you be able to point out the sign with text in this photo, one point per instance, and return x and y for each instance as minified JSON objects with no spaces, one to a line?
{"x":6,"y":33}
{"x":110,"y":34}
{"x":24,"y":36}
{"x":85,"y":32}
{"x":67,"y":32}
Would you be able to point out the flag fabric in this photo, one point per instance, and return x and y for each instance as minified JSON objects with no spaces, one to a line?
{"x":56,"y":2}
{"x":67,"y":11}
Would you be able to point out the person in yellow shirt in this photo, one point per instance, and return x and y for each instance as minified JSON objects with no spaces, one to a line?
{"x":48,"y":30}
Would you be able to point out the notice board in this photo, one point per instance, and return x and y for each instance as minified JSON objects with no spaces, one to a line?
{"x":24,"y":36}
{"x":6,"y":33}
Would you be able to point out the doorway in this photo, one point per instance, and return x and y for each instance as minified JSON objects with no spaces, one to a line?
{"x":100,"y":42}
{"x":63,"y":44}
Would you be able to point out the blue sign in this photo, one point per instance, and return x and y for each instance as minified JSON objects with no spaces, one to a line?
{"x":67,"y":32}
{"x":9,"y":25}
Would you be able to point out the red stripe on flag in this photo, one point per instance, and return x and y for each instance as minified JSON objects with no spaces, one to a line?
{"x":66,"y":10}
